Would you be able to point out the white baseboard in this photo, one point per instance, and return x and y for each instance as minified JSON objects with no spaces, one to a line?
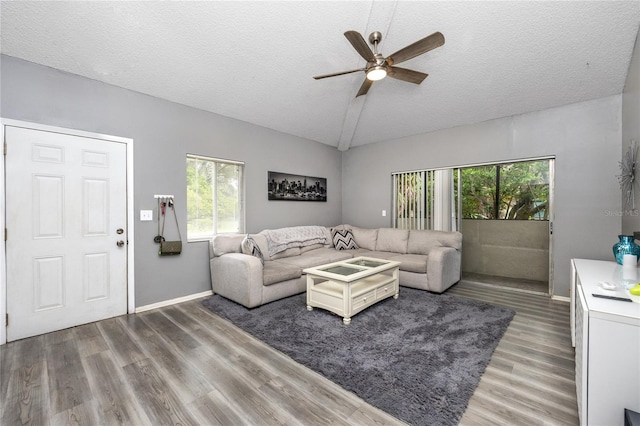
{"x":173,"y":301}
{"x":561,"y":298}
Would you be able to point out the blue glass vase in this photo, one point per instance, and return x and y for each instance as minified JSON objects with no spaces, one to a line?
{"x":626,"y":245}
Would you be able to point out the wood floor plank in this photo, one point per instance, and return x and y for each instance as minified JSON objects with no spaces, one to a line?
{"x":559,"y":349}
{"x":187,"y":382}
{"x":68,"y":384}
{"x":525,"y":403}
{"x":243,"y":394}
{"x":27,"y":399}
{"x":538,"y":390}
{"x":89,"y":340}
{"x":82,"y":414}
{"x":171,"y":332}
{"x":213,"y":409}
{"x":122,"y":345}
{"x":532,"y":369}
{"x":484,"y":405}
{"x":7,"y":356}
{"x":183,"y":364}
{"x":111,"y":392}
{"x":310,"y":383}
{"x":181,"y":318}
{"x":25,"y":404}
{"x":159,"y":402}
{"x":560,"y":388}
{"x":291,"y":400}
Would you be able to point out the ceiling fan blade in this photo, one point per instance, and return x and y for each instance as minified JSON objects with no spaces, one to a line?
{"x":361,"y":46}
{"x":418,"y":48}
{"x":404,"y":74}
{"x":318,"y":77}
{"x":365,"y":87}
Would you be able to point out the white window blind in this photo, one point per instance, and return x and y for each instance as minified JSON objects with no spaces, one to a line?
{"x":425,"y":199}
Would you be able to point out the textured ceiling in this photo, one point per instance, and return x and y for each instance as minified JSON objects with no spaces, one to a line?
{"x":254,"y":61}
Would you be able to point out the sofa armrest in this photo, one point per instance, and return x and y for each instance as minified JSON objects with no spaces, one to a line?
{"x":238,"y":277}
{"x":443,"y":268}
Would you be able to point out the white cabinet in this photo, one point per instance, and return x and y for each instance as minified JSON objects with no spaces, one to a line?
{"x":606,"y":335}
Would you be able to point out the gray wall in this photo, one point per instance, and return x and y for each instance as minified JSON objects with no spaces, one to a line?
{"x":163,"y":133}
{"x":585,"y":139}
{"x":631,"y":130}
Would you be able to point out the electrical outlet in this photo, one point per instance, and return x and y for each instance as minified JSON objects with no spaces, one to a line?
{"x":146,"y":215}
{"x":384,"y":212}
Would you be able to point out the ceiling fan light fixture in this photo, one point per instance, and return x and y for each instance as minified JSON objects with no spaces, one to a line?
{"x":376,"y":73}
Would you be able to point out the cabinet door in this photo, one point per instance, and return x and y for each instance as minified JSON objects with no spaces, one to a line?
{"x":582,"y":352}
{"x":614,"y":370}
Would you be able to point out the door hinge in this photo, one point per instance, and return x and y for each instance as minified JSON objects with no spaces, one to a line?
{"x":6,"y":321}
{"x":5,"y":234}
{"x":5,"y":148}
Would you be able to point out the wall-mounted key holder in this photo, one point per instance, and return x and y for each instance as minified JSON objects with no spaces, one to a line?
{"x":167,"y":248}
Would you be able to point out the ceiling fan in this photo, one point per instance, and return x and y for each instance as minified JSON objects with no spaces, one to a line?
{"x":378,"y":67}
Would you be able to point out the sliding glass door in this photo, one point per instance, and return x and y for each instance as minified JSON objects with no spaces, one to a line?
{"x":504,"y":211}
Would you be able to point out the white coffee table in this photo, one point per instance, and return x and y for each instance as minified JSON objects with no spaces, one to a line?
{"x":347,"y":287}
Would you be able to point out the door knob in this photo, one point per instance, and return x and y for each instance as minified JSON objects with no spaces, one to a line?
{"x":119,"y":231}
{"x":120,"y":243}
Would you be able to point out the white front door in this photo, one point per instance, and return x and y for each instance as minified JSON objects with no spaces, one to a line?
{"x":66,"y":217}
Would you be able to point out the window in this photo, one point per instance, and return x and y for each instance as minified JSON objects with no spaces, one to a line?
{"x":438,"y":199}
{"x":215,"y":197}
{"x":516,"y":191}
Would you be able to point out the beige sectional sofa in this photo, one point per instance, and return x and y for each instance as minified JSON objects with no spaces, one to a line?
{"x":430,"y":260}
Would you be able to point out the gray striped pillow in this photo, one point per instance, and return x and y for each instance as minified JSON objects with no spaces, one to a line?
{"x":250,"y":246}
{"x":343,"y":239}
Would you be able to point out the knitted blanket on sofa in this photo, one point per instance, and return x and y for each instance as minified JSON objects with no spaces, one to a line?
{"x":295,"y":236}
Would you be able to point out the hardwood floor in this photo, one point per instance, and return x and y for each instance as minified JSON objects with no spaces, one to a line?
{"x":184,"y":365}
{"x":530,"y":379}
{"x":506,"y":282}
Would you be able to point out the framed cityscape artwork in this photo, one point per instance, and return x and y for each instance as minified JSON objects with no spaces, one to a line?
{"x":289,"y":187}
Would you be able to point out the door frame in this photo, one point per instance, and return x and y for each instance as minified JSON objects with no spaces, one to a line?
{"x":552,"y":182}
{"x":4,"y":122}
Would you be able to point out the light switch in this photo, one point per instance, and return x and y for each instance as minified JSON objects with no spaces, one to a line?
{"x":146,"y":215}
{"x":384,"y":212}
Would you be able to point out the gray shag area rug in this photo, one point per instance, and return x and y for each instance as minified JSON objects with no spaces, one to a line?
{"x":418,"y":357}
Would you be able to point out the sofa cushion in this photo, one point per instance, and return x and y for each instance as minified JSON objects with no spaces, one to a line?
{"x":293,"y":251}
{"x":365,"y":238}
{"x":250,"y":246}
{"x":226,"y":243}
{"x":392,"y":239}
{"x":422,"y":241}
{"x":275,"y":272}
{"x":388,"y":255}
{"x":305,"y":249}
{"x":333,"y":255}
{"x":360,"y":252}
{"x":304,"y":261}
{"x":412,"y":262}
{"x":343,"y":239}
